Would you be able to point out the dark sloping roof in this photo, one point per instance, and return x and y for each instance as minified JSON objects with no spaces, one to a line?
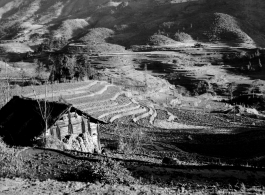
{"x":21,"y":120}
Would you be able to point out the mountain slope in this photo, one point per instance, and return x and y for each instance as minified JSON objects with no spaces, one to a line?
{"x":134,"y":22}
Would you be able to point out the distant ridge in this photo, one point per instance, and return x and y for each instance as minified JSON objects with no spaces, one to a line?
{"x":134,"y":22}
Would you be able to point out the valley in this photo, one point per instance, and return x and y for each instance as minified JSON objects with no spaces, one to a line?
{"x":177,"y":88}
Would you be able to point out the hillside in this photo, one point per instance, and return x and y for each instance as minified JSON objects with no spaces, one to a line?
{"x":207,"y":152}
{"x":177,"y":85}
{"x":134,"y":22}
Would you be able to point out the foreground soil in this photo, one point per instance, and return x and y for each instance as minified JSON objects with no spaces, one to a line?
{"x":23,"y":187}
{"x":57,"y":172}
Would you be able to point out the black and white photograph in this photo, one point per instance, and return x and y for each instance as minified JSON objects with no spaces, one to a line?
{"x":141,"y":97}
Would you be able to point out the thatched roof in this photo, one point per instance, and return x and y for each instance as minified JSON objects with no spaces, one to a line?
{"x":21,"y":120}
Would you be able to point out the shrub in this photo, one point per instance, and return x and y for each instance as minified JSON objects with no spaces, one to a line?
{"x":182,"y":37}
{"x":182,"y":91}
{"x":231,"y":89}
{"x":201,"y":88}
{"x":110,"y":172}
{"x":11,"y":165}
{"x":160,"y":40}
{"x":257,"y":102}
{"x":52,"y":43}
{"x":50,"y":142}
{"x":130,"y":143}
{"x":131,"y":140}
{"x":3,"y":145}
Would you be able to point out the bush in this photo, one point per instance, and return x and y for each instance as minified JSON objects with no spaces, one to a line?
{"x":110,"y":172}
{"x":3,"y":145}
{"x":131,"y":140}
{"x":11,"y":165}
{"x":50,"y":142}
{"x":257,"y":102}
{"x":131,"y":143}
{"x":160,"y":40}
{"x":202,"y":87}
{"x":182,"y":37}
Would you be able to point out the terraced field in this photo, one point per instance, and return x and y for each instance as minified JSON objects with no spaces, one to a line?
{"x":172,"y":131}
{"x":97,"y":98}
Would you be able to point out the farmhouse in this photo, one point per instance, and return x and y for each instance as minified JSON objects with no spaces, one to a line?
{"x":25,"y":120}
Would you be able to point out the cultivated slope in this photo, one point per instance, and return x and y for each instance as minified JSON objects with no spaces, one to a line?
{"x":99,"y":99}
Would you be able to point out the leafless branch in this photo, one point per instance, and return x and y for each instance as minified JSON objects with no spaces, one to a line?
{"x":44,"y":110}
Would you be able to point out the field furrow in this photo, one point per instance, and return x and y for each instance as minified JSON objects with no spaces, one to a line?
{"x":133,"y":107}
{"x":145,"y":115}
{"x":99,"y":99}
{"x":153,"y":116}
{"x":95,"y":89}
{"x":96,"y":105}
{"x":121,"y":101}
{"x":106,"y":110}
{"x":128,"y":113}
{"x":110,"y":93}
{"x":99,"y":89}
{"x":118,"y":109}
{"x":56,"y":89}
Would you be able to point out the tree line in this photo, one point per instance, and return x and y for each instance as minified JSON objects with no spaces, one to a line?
{"x":64,"y":68}
{"x":60,"y":66}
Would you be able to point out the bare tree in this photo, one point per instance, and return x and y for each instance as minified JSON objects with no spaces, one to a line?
{"x":88,"y":70}
{"x":44,"y":109}
{"x":249,"y":66}
{"x":5,"y":86}
{"x":260,"y":64}
{"x":23,"y":77}
{"x":40,"y":70}
{"x":5,"y":92}
{"x":231,"y":89}
{"x":122,"y":80}
{"x":145,"y":77}
{"x":6,"y":71}
{"x":254,"y":86}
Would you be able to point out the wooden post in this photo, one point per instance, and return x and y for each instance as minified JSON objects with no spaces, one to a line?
{"x":98,"y":134}
{"x":88,"y":127}
{"x":70,"y":126}
{"x":52,"y":131}
{"x":58,"y":132}
{"x":83,"y":125}
{"x":52,"y":90}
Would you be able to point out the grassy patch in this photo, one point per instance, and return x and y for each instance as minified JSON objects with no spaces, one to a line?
{"x":160,"y":40}
{"x":252,"y":101}
{"x":182,"y":37}
{"x":11,"y":165}
{"x":111,"y":172}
